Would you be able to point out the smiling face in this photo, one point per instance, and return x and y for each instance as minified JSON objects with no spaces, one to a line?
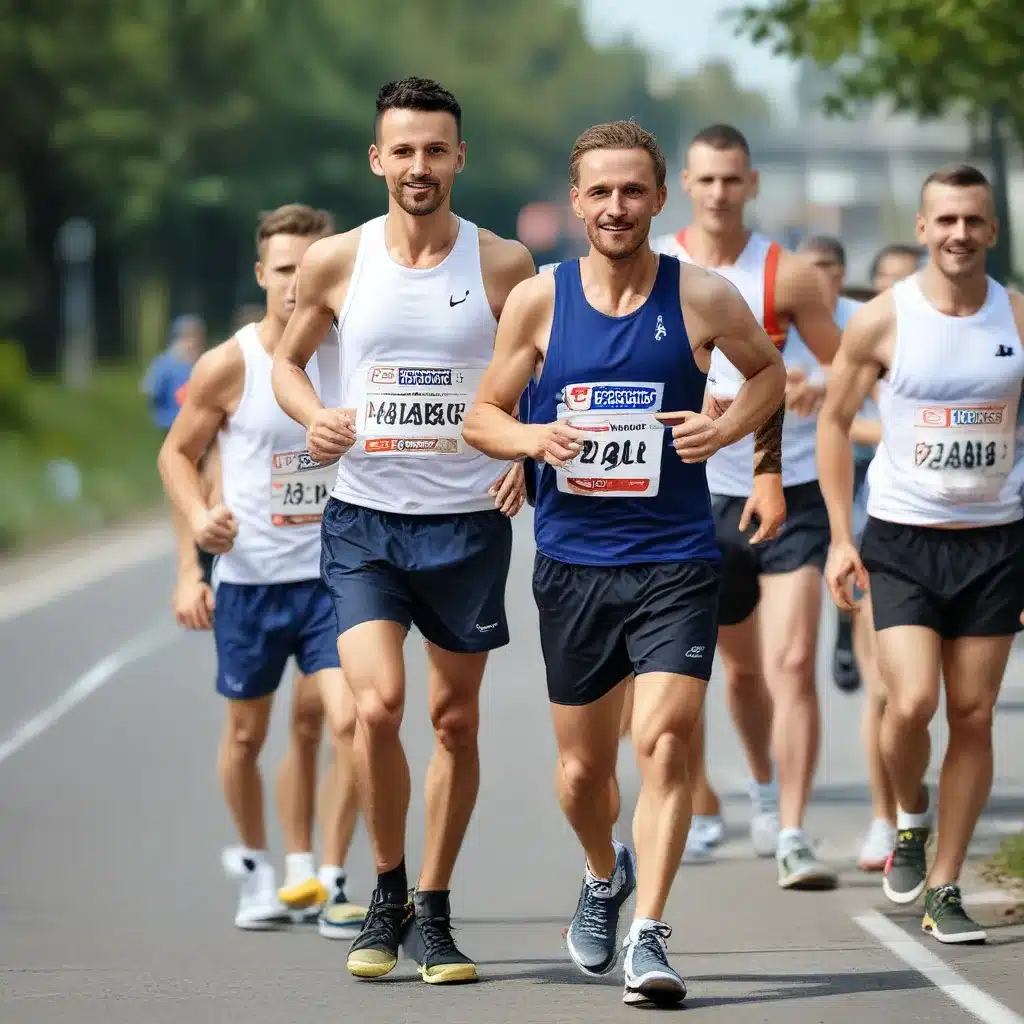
{"x":617,"y":197}
{"x":418,"y":154}
{"x":957,"y":224}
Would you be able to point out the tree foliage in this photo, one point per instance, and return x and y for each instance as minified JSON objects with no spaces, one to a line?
{"x":926,"y":56}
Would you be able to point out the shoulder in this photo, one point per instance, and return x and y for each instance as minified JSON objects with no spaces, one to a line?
{"x":870,"y":323}
{"x":218,"y":372}
{"x":1017,"y":306}
{"x":798,"y":279}
{"x":504,"y":256}
{"x":531,"y":298}
{"x":328,"y":258}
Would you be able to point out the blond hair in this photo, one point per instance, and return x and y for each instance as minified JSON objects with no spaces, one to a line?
{"x":616,"y":135}
{"x":293,"y":219}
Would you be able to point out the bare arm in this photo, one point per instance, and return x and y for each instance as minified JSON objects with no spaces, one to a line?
{"x":491,"y":425}
{"x":504,"y":263}
{"x":717,"y":316}
{"x":322,"y":276}
{"x":215,"y":383}
{"x":854,"y":373}
{"x":866,"y":431}
{"x":802,"y":296}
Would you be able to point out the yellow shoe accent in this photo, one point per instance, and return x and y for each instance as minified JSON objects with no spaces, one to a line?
{"x":448,"y":974}
{"x":370,"y":963}
{"x":309,"y":893}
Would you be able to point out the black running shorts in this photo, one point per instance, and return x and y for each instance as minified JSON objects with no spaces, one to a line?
{"x":955,"y":582}
{"x":802,"y":540}
{"x":598,"y":624}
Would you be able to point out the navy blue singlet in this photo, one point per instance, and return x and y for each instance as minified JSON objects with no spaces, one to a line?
{"x":607,"y":375}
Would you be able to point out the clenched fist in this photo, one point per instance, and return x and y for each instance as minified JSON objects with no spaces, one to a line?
{"x":695,"y":437}
{"x":330,"y":434}
{"x":215,"y":530}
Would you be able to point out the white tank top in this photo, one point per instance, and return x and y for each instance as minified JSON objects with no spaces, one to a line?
{"x":414,"y":345}
{"x":949,"y":415}
{"x":730,"y":471}
{"x":276,"y":492}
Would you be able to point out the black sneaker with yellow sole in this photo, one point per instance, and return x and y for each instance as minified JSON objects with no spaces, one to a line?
{"x":946,"y":919}
{"x":374,"y":952}
{"x":430,"y":943}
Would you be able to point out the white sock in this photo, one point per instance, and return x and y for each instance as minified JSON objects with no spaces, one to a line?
{"x":904,"y":819}
{"x":638,"y":925}
{"x":298,"y":867}
{"x":256,"y":856}
{"x":790,"y":839}
{"x":331,"y":877}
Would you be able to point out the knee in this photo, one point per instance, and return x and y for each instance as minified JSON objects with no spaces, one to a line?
{"x":306,"y":726}
{"x":378,"y":714}
{"x":741,"y":680}
{"x":913,"y":709}
{"x":665,"y":758}
{"x":244,"y":738}
{"x":794,"y":666}
{"x":584,"y":777}
{"x":972,"y":718}
{"x":455,"y":725}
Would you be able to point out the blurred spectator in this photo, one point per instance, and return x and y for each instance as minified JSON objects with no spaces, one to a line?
{"x":893,"y":263}
{"x":165,"y":379}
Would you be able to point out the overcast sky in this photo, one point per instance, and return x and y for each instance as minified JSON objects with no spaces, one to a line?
{"x":688,"y":32}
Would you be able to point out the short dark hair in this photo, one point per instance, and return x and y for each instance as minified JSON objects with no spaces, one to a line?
{"x":956,"y":175}
{"x":913,"y":252}
{"x":722,"y":136}
{"x":826,"y":244}
{"x":293,"y":219}
{"x":417,"y":94}
{"x":617,"y":135}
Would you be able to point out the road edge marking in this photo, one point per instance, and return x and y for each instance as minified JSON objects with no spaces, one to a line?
{"x":969,"y":997}
{"x":87,"y":683}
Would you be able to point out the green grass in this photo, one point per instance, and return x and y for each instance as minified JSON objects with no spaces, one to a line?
{"x":1009,"y":859}
{"x":105,"y":431}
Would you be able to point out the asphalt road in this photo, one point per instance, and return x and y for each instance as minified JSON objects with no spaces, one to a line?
{"x":113,"y":908}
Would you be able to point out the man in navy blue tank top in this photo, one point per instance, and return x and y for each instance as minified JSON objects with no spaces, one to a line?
{"x":626,"y":575}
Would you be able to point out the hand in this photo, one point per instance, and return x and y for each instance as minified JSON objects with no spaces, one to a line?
{"x":215,"y":530}
{"x":193,"y":603}
{"x":330,"y":434}
{"x":767,"y":501}
{"x":509,"y":490}
{"x":557,"y":443}
{"x":695,"y":437}
{"x":803,"y":397}
{"x":842,"y":568}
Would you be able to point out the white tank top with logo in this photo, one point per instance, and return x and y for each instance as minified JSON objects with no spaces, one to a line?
{"x":414,"y":346}
{"x":730,"y":471}
{"x":949,"y":414}
{"x":276,"y":492}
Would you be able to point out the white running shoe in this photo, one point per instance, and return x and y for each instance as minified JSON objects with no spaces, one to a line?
{"x":878,"y":845}
{"x":258,"y":905}
{"x":764,"y":825}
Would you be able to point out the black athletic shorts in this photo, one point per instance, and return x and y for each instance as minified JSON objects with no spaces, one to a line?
{"x":802,"y":540}
{"x":445,"y":574}
{"x":955,"y":582}
{"x":206,"y":561}
{"x":600,"y":623}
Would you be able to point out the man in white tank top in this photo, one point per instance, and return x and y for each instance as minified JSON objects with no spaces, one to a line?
{"x":270,"y":603}
{"x":417,"y":530}
{"x":943,"y":548}
{"x":769,"y":657}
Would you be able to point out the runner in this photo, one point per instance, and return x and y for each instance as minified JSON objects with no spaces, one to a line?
{"x":269,"y":602}
{"x":416,"y":531}
{"x":944,"y":543}
{"x":778,"y":645}
{"x":894,"y":263}
{"x":626,"y":571}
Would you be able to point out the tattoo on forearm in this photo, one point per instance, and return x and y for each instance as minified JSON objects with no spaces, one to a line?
{"x":768,"y":443}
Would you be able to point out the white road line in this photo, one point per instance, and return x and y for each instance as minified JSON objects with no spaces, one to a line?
{"x":55,"y":574}
{"x":100,"y":673}
{"x":976,"y":1002}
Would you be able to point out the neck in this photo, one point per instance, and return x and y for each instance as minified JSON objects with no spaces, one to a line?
{"x":619,"y":278}
{"x":420,"y":241}
{"x":270,"y":330}
{"x":715,"y":250}
{"x":959,"y":297}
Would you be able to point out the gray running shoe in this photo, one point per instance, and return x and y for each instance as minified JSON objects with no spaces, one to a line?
{"x":799,"y":868}
{"x":946,"y":919}
{"x":650,"y":979}
{"x":592,"y":935}
{"x":907,"y":869}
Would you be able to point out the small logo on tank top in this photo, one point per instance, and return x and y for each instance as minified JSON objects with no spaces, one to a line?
{"x":452,"y":302}
{"x":1004,"y":350}
{"x":659,"y":329}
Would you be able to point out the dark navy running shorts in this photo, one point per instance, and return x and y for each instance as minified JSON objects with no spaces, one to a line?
{"x":445,"y":574}
{"x":258,"y":627}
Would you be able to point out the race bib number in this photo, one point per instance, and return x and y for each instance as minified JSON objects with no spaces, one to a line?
{"x":965,"y":452}
{"x":415,"y":410}
{"x":623,"y":458}
{"x":299,"y":488}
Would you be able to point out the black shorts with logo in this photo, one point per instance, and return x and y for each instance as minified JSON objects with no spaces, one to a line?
{"x":803,"y":540}
{"x":955,"y":582}
{"x":598,"y":624}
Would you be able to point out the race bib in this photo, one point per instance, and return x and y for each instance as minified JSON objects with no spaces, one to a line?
{"x":415,"y":410}
{"x":299,"y":488}
{"x":623,"y":459}
{"x":965,"y":452}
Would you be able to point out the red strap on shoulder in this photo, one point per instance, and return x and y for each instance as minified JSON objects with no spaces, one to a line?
{"x":771,"y":321}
